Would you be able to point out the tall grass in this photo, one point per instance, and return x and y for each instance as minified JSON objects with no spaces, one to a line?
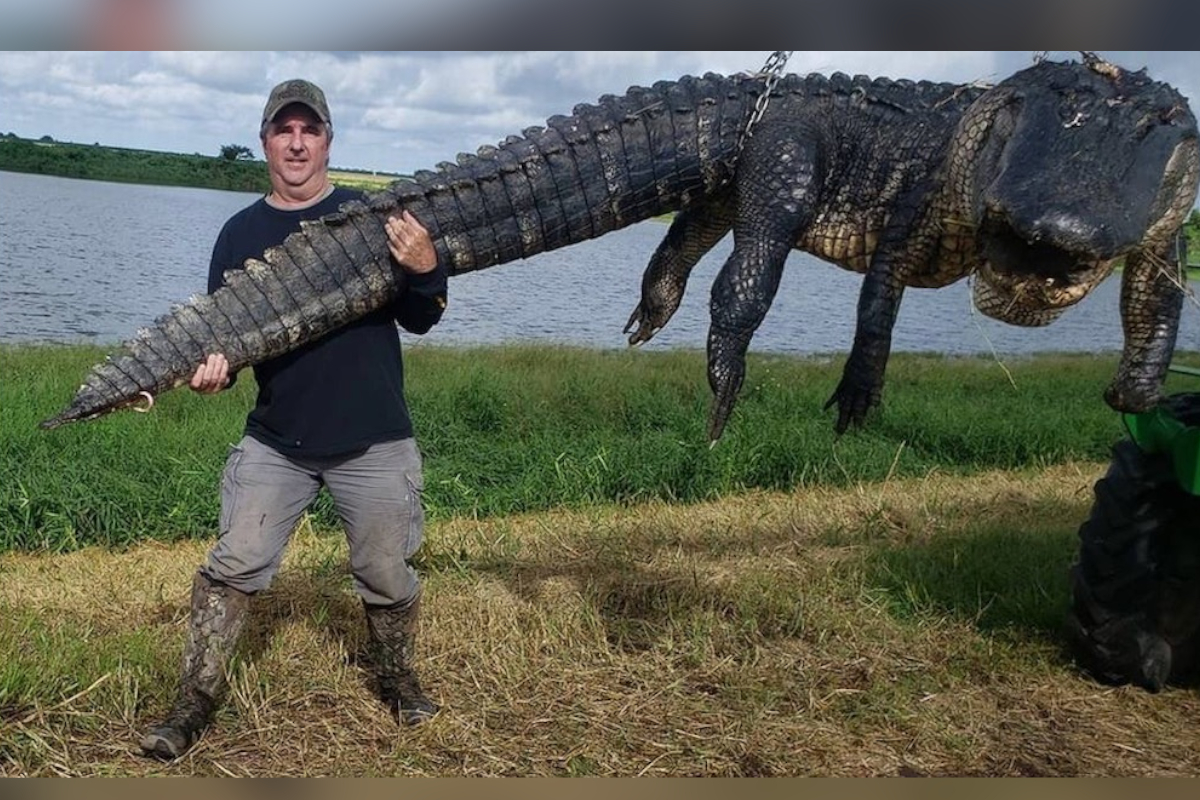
{"x":516,"y":429}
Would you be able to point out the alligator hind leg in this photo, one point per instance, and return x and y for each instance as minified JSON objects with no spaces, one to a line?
{"x":775,"y":201}
{"x":741,"y":297}
{"x":693,"y":233}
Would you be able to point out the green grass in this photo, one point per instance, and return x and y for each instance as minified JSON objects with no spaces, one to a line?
{"x":45,"y":659}
{"x":517,"y":429}
{"x":990,"y":574}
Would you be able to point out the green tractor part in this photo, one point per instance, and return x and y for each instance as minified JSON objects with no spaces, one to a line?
{"x":1135,"y":584}
{"x":1160,"y":431}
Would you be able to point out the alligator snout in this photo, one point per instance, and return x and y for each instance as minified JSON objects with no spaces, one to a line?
{"x":1055,"y":235}
{"x":1029,"y":275}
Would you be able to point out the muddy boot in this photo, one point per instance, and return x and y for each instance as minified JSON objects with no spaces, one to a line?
{"x":392,"y":633}
{"x":218,"y":613}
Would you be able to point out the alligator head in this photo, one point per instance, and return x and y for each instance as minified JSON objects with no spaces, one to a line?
{"x":1064,"y":169}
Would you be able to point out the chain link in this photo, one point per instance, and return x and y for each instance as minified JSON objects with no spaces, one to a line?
{"x":773,"y":69}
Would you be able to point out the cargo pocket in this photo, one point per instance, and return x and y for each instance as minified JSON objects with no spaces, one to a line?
{"x":229,"y":487}
{"x":416,"y":514}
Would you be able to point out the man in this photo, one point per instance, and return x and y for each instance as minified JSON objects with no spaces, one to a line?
{"x":331,"y":413}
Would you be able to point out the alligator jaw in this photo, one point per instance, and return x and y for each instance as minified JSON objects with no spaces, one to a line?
{"x":1030,"y":283}
{"x":1033,"y":299}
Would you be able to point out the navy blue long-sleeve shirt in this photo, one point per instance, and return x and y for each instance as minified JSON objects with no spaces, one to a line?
{"x":345,"y":391}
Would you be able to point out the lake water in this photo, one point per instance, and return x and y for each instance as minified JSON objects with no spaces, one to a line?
{"x":89,"y":261}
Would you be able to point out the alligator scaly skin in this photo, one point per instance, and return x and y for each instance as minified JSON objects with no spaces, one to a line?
{"x":1036,"y":187}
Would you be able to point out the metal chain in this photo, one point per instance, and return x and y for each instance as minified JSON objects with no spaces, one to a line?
{"x":773,"y":69}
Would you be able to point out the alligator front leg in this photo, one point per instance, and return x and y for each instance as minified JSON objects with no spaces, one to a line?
{"x":693,"y":233}
{"x":1151,"y":301}
{"x":861,"y":385}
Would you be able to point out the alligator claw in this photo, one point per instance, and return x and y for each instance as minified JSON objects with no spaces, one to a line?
{"x":722,"y":407}
{"x":726,"y":372}
{"x":853,"y":403}
{"x":1154,"y":663}
{"x":639,"y":322}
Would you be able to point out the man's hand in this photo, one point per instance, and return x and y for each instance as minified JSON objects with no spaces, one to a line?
{"x":410,"y":244}
{"x":212,"y":376}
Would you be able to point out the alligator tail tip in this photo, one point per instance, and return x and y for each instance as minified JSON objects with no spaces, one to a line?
{"x":68,"y":415}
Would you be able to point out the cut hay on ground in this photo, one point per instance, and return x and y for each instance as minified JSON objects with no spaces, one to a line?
{"x":898,"y":629}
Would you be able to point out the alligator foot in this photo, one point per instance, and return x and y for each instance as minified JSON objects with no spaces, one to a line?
{"x":643,"y":329}
{"x":726,"y":373}
{"x":649,"y":318}
{"x":722,"y":408}
{"x":1132,"y":397}
{"x":853,"y":401}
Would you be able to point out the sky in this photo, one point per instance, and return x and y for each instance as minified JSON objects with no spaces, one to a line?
{"x":397,"y":112}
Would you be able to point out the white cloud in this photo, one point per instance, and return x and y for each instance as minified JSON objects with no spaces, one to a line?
{"x":403,"y":111}
{"x":226,"y":70}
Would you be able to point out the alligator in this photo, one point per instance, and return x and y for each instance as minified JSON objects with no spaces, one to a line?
{"x":1036,"y":186}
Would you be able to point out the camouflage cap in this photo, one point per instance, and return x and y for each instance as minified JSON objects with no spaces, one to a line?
{"x":296,"y":91}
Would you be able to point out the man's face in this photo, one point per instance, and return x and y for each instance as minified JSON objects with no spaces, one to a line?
{"x":296,"y":146}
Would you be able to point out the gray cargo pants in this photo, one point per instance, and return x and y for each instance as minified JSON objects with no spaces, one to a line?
{"x":377,"y":494}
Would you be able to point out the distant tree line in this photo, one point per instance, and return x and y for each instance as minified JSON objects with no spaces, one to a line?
{"x":236,"y":152}
{"x":232,"y":170}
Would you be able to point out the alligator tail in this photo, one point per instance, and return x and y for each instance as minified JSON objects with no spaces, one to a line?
{"x":606,"y":166}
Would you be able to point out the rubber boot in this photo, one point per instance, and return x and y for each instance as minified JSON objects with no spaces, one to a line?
{"x":392,"y":632}
{"x":217,"y":617}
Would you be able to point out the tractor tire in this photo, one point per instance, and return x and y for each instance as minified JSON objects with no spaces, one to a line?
{"x":1135,"y":605}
